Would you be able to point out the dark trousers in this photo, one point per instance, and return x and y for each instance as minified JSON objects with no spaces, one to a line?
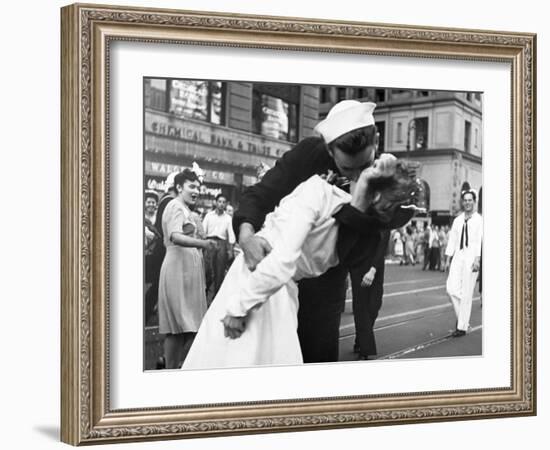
{"x":151,"y":301}
{"x":153,"y":264}
{"x":367,"y":302}
{"x":217,"y":260}
{"x":435,"y":258}
{"x":426,"y":261}
{"x":322,"y":301}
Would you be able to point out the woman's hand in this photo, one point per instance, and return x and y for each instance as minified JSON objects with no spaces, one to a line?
{"x":233,"y":326}
{"x":383,"y":167}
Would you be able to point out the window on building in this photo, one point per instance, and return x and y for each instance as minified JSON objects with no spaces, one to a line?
{"x":476,"y":138}
{"x":381,"y":128}
{"x":341,"y":94}
{"x":477,"y":96}
{"x":325,"y":95}
{"x":201,"y":100}
{"x":401,"y":94}
{"x":467,"y":135}
{"x":362,"y":93}
{"x":379,"y":95}
{"x":157,"y":83}
{"x":274,"y":117}
{"x":469,"y":96}
{"x":420,"y":133}
{"x":155,"y":94}
{"x":423,"y":199}
{"x":422,"y":93}
{"x":399,"y":133}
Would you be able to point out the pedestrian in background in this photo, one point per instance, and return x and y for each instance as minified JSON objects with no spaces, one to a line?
{"x":155,"y":253}
{"x":409,"y":246}
{"x":153,"y":256}
{"x":435,"y":257}
{"x":427,"y":246}
{"x":218,"y":227}
{"x":398,"y":247}
{"x":419,"y":242}
{"x":151,"y":203}
{"x":464,"y":247}
{"x":443,"y":238}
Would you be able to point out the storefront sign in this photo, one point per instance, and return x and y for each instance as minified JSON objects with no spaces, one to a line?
{"x":204,"y":190}
{"x":164,"y":169}
{"x":221,"y":137}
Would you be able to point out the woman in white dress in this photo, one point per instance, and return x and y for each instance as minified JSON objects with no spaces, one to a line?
{"x":398,"y":246}
{"x":253,"y":319}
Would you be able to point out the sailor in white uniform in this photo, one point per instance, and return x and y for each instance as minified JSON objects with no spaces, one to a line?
{"x":463,"y":255}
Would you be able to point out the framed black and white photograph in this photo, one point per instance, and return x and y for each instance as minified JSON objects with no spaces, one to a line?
{"x":229,"y":135}
{"x":303,"y":202}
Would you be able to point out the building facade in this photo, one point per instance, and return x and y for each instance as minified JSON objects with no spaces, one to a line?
{"x":440,"y":129}
{"x":232,"y":130}
{"x":236,"y":130}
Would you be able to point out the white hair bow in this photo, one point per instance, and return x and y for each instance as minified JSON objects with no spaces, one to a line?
{"x":198,"y":171}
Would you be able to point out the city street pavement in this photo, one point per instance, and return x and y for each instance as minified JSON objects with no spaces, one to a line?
{"x":416,"y":319}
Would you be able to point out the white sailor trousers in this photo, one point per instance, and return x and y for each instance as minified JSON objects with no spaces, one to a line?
{"x":460,"y":287}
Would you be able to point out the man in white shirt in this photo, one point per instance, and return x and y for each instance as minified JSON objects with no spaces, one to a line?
{"x":464,"y":247}
{"x":217,"y":226}
{"x":426,"y":239}
{"x":435,"y":261}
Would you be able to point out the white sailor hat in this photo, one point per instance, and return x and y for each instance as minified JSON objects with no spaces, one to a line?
{"x":345,"y":116}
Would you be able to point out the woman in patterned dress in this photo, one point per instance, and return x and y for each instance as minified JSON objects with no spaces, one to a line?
{"x":182,"y":299}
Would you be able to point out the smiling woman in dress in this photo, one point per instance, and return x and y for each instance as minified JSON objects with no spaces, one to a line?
{"x":182,"y":299}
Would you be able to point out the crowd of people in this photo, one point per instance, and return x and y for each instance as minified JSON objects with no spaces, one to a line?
{"x":421,"y":244}
{"x":324,"y":212}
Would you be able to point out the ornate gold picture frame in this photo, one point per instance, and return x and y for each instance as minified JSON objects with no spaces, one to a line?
{"x":88,"y":31}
